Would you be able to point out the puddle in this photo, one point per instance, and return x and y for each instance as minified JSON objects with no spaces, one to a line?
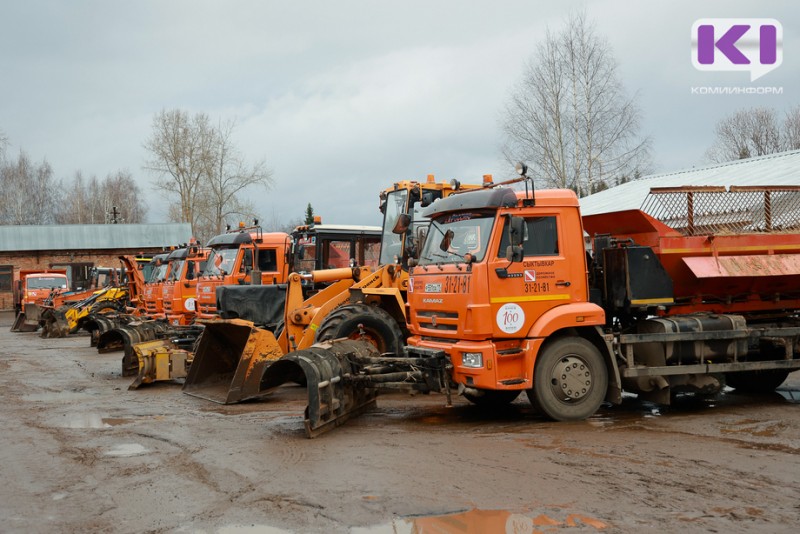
{"x":482,"y":521}
{"x":89,"y":420}
{"x":126,"y":450}
{"x":58,"y":397}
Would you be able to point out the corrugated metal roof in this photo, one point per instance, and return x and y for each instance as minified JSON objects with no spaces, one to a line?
{"x":92,"y":236}
{"x":782,"y":168}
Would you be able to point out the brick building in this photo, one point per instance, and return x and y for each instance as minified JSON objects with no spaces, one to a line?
{"x":77,"y":248}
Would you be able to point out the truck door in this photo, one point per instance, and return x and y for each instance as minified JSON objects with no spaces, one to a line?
{"x":521,"y":292}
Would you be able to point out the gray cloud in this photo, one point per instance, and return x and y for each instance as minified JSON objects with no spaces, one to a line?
{"x":341,"y":98}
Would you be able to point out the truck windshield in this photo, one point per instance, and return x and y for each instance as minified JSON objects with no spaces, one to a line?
{"x":159,"y":273}
{"x":46,"y":282}
{"x":451,"y":237}
{"x":220,"y":261}
{"x":175,"y":271}
{"x":305,"y":254}
{"x":391,"y":243}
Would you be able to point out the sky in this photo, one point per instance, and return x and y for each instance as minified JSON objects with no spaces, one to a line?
{"x":341,"y":99}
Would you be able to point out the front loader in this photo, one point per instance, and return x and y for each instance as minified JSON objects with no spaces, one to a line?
{"x":248,"y":252}
{"x":358,"y":304}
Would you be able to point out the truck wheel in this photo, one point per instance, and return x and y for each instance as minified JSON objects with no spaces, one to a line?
{"x":756,"y":381}
{"x":569,"y":379}
{"x":379,"y":327}
{"x":492,"y":398}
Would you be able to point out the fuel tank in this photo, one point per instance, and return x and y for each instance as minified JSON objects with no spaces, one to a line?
{"x":690,"y":352}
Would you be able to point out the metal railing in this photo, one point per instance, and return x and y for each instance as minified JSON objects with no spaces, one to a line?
{"x":716,"y":210}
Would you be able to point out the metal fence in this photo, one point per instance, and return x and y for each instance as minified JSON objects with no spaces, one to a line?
{"x":716,"y":210}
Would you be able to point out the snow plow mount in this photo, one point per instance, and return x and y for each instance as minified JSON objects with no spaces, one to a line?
{"x":160,"y":360}
{"x":343,"y":378}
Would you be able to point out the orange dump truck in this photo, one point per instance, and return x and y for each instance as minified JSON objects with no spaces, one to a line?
{"x":244,"y":256}
{"x":179,"y":295}
{"x":506,"y":298}
{"x":34,"y":287}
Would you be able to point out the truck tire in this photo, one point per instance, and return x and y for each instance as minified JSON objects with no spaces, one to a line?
{"x":569,"y":379}
{"x":379,"y":327}
{"x":758,"y":382}
{"x":492,"y":398}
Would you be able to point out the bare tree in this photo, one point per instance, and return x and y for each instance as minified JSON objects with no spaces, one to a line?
{"x":227,"y":176}
{"x":180,"y":147}
{"x":121,"y":191}
{"x":3,"y":145}
{"x":27,"y":192}
{"x":92,"y":201}
{"x":199,"y":165}
{"x":746,"y":133}
{"x":791,"y":129}
{"x":755,"y":132}
{"x":570,"y":118}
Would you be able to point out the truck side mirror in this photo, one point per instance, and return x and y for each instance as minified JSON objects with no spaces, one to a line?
{"x":514,"y":253}
{"x":402,"y":224}
{"x":516,"y":231}
{"x":516,"y":236}
{"x":422,"y":235}
{"x":447,"y":239}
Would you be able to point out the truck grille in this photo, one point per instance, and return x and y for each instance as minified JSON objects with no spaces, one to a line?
{"x":438,"y":320}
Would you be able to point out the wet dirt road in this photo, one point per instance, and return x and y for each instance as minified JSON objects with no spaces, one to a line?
{"x":81,"y":453}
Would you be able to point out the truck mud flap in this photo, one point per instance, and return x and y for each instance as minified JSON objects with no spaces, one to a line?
{"x":160,"y":360}
{"x":229,"y":361}
{"x":324,"y":368}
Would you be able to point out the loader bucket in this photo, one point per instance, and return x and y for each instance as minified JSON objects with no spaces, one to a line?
{"x":54,"y":322}
{"x":229,"y":361}
{"x":160,"y":360}
{"x":324,"y":367}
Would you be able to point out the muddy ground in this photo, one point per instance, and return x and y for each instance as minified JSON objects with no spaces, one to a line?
{"x":81,"y":453}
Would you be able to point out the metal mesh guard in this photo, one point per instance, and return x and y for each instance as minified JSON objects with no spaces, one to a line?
{"x":715,"y":210}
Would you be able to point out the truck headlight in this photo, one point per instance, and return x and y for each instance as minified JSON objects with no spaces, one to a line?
{"x":472,"y":359}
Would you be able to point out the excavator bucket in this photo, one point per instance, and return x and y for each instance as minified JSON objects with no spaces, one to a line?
{"x":229,"y":361}
{"x":160,"y":360}
{"x":325,"y":368}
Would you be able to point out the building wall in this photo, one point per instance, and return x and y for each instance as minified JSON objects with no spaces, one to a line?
{"x":45,"y":259}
